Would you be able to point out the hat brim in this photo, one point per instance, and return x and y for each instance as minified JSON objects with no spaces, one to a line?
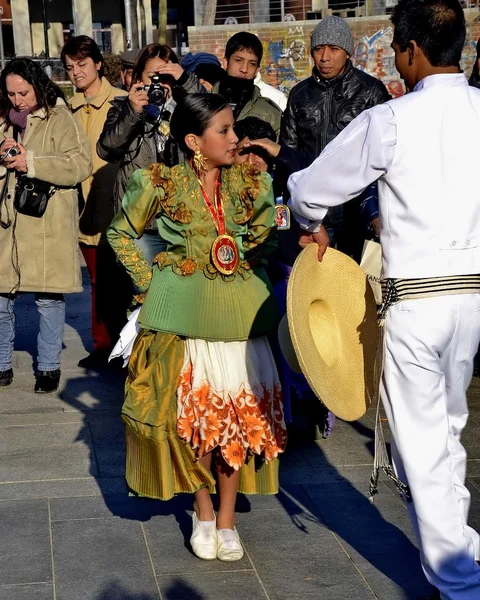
{"x":332,"y":320}
{"x":286,"y":346}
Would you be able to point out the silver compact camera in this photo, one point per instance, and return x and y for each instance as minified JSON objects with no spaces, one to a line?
{"x":10,"y":153}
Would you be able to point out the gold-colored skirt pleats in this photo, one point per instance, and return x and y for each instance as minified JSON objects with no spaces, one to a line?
{"x":159,"y":463}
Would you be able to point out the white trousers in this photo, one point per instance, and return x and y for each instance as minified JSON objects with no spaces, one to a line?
{"x":430,"y":347}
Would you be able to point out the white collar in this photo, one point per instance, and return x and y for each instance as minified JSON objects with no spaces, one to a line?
{"x":449,"y":79}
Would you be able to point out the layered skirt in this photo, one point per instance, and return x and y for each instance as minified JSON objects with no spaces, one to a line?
{"x":186,"y":398}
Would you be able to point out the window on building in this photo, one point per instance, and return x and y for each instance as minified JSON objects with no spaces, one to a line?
{"x":68,"y":31}
{"x":102,"y":34}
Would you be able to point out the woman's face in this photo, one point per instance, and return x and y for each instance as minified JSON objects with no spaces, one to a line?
{"x":219,"y":143}
{"x":82,"y":72}
{"x":151,"y":68}
{"x":20,"y":93}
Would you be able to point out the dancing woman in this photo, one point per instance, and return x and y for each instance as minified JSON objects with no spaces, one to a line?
{"x":202,"y":392}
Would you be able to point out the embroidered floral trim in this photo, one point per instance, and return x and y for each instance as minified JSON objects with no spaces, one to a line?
{"x":135,"y":264}
{"x":176,"y":210}
{"x":252,"y":419}
{"x":248,"y":195}
{"x":187,"y":266}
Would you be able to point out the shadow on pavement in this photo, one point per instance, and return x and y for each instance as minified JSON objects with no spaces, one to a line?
{"x":178,"y":590}
{"x":365,"y":533}
{"x":332,"y":499}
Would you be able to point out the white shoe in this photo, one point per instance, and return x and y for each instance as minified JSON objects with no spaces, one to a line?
{"x":229,"y":546}
{"x":204,"y":538}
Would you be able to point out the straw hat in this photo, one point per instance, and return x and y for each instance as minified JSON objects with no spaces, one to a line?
{"x":333,"y":327}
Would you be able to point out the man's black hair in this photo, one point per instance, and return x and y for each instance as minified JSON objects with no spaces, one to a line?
{"x":255,"y":129}
{"x":438,"y":27}
{"x":243,"y":40}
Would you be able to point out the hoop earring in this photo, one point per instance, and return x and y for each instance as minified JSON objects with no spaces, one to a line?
{"x":199,"y":163}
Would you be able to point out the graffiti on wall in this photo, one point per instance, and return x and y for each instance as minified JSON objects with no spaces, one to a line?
{"x":287,"y":60}
{"x":374,"y":55}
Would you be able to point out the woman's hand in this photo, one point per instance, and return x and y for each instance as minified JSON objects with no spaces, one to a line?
{"x":138,"y":97}
{"x":169,"y":68}
{"x":19,"y":162}
{"x":272,"y":148}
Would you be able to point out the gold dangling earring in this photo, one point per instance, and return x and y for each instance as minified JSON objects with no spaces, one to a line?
{"x":199,"y":163}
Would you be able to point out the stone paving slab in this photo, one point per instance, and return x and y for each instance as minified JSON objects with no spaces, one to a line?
{"x":34,"y":591}
{"x":91,"y":553}
{"x":25,"y":553}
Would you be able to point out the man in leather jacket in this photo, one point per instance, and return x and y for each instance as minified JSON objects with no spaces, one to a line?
{"x":324,"y":104}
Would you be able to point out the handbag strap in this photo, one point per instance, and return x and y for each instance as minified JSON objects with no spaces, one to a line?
{"x":5,"y":224}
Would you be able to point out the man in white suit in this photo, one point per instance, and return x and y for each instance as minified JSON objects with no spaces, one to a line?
{"x":422,"y":149}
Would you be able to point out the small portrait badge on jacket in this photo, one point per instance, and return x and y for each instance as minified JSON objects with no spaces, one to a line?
{"x":282,"y":215}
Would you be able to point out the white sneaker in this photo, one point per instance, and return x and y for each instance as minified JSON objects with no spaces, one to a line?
{"x":229,"y":546}
{"x":204,"y":538}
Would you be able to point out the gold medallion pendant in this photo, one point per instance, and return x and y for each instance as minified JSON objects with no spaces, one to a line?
{"x":225,"y":254}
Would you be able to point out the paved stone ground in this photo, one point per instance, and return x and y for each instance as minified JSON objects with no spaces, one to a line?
{"x":68,"y":530}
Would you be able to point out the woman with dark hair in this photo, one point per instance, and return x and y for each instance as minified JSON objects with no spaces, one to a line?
{"x":137,"y":129}
{"x":39,"y":140}
{"x":111,"y":289}
{"x":202,"y":389}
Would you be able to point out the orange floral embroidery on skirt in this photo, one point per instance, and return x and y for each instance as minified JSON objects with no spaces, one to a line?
{"x":249,"y":418}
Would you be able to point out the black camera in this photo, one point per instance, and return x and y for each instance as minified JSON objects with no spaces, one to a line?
{"x":156,"y":91}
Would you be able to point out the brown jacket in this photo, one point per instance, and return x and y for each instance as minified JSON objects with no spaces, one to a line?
{"x":47,"y":248}
{"x":97,"y":190}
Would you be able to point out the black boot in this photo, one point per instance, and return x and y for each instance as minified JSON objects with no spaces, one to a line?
{"x":6,"y":377}
{"x":47,"y":381}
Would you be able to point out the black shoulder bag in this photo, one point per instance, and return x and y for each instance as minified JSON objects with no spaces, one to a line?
{"x":31,"y":195}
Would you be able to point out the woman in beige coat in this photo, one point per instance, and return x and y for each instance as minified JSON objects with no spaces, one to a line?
{"x":111,"y":287}
{"x":38,"y":255}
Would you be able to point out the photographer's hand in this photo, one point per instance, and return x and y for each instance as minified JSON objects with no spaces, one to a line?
{"x":138,"y":97}
{"x":19,"y":162}
{"x":7,"y":144}
{"x":169,"y":68}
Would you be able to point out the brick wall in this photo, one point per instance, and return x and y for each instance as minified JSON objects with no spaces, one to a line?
{"x":287,"y":48}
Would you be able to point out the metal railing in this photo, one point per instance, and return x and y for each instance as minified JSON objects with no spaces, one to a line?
{"x":256,"y":11}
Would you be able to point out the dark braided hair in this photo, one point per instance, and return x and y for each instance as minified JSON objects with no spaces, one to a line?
{"x":46,"y":91}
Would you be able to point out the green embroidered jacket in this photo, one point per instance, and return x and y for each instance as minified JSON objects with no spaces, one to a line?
{"x":186,"y":295}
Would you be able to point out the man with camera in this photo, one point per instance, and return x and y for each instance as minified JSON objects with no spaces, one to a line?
{"x":138,"y":126}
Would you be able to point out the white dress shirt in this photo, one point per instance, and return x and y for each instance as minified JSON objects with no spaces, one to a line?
{"x":423,"y":150}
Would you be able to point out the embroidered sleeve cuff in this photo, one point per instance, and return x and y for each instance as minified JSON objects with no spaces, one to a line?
{"x":30,"y":164}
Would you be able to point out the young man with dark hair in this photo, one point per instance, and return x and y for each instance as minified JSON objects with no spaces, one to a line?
{"x":431,"y":266}
{"x":243,"y":55}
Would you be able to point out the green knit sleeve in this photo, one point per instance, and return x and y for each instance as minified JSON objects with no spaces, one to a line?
{"x":140,"y":205}
{"x":260,"y":240}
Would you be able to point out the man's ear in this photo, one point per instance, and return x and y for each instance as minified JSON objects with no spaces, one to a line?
{"x":413,"y":52}
{"x":191,"y":142}
{"x":225,"y":63}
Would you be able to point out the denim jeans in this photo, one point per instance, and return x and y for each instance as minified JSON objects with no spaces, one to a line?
{"x":151,"y":244}
{"x":51,"y":308}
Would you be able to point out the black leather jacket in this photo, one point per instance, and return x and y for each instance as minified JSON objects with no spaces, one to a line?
{"x":318,"y":109}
